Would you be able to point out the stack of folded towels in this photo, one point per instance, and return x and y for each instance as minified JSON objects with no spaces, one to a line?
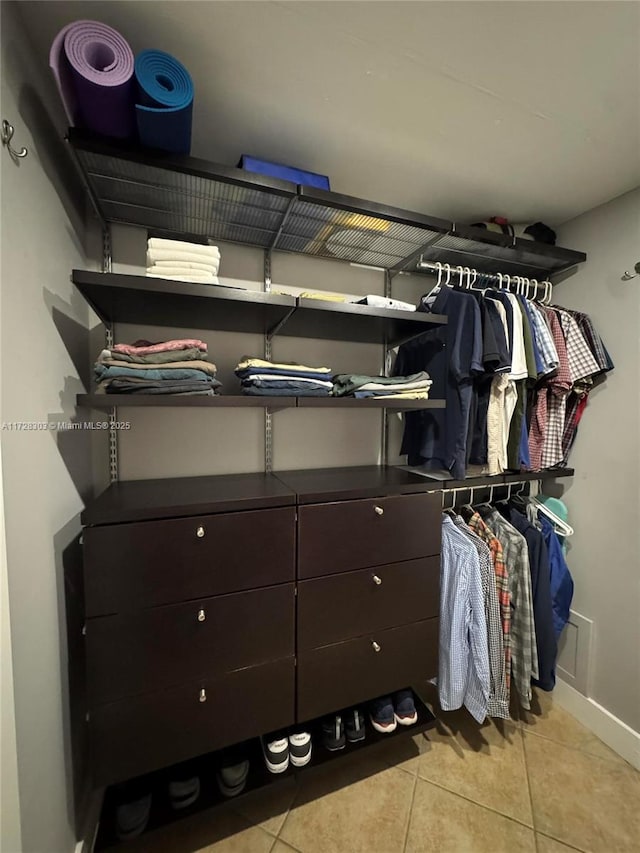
{"x":169,"y":367}
{"x":413,"y":387}
{"x":283,"y":379}
{"x":183,"y":261}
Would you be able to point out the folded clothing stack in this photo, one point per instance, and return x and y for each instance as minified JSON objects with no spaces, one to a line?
{"x":169,"y":367}
{"x":183,"y":261}
{"x":283,"y":379}
{"x":413,"y":387}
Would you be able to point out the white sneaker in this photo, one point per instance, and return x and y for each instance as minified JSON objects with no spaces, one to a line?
{"x":300,"y":748}
{"x":276,"y":753}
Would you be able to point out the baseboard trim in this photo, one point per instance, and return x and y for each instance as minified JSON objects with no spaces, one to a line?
{"x":617,"y":735}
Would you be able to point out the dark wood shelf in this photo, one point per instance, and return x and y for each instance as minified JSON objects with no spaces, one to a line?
{"x":105,"y":402}
{"x":193,"y":199}
{"x":490,"y":479}
{"x":367,"y":403}
{"x":317,"y":485}
{"x":259,"y":777}
{"x":145,"y":500}
{"x":123,"y":298}
{"x":120,"y":298}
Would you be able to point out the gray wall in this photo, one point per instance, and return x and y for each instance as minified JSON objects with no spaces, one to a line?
{"x":46,"y":474}
{"x":192,"y":442}
{"x":604,"y":496}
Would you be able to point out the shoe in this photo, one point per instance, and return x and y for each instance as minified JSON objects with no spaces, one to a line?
{"x":333,"y":737}
{"x":132,"y":818}
{"x":382,"y":716}
{"x":275,"y":749}
{"x":232,"y":778}
{"x":354,"y":726}
{"x":300,"y":748}
{"x":184,"y":792}
{"x":405,"y":708}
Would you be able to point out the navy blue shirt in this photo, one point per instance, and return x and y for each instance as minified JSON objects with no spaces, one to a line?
{"x":452,"y":355}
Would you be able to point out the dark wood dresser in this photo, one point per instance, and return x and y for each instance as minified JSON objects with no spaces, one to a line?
{"x":222,"y":608}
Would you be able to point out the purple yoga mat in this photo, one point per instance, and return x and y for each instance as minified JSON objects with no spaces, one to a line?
{"x":93,"y":66}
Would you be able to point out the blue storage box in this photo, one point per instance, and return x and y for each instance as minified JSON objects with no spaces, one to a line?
{"x":286,"y":173}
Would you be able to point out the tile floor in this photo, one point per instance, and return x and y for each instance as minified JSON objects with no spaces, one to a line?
{"x":541,"y":783}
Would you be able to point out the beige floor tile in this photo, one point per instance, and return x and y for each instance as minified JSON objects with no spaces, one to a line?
{"x":403,"y":753}
{"x":281,"y":847}
{"x":548,"y":719}
{"x":356,"y":808}
{"x":485,"y":764}
{"x":268,"y":806}
{"x":583,"y":800}
{"x":445,"y":823}
{"x":550,"y":845}
{"x":221,"y":831}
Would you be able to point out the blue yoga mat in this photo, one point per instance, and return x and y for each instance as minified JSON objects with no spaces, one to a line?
{"x":165,"y":102}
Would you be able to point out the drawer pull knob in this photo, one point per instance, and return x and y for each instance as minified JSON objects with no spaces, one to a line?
{"x":376,"y":646}
{"x":200,"y":532}
{"x":201,"y":615}
{"x":378,"y":510}
{"x":377,"y":581}
{"x":203,"y":695}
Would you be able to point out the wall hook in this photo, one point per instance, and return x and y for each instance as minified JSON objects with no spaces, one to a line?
{"x":7,"y":136}
{"x":629,"y":275}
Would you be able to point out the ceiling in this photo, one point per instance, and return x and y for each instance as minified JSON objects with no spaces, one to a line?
{"x":464,"y":110}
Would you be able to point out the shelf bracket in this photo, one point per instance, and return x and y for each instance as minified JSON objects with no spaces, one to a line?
{"x":411,"y":259}
{"x":273,"y":331}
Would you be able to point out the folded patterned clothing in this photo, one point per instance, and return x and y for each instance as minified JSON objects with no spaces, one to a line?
{"x":252,"y":391}
{"x":152,"y":374}
{"x":290,"y":367}
{"x":268,"y":381}
{"x":400,"y":395}
{"x":280,"y":373}
{"x":143,"y":347}
{"x":347,"y":383}
{"x":122,"y":385}
{"x":191,"y":354}
{"x":206,"y":366}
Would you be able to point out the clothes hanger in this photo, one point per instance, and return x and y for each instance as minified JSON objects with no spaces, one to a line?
{"x":436,"y":289}
{"x":559,"y":525}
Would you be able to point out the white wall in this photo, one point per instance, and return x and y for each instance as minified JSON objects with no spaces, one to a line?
{"x":231,"y":440}
{"x":46,"y":474}
{"x":604,"y":496}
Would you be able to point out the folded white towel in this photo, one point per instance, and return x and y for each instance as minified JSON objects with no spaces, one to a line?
{"x":182,"y":246}
{"x":154,"y":255}
{"x":178,"y":269}
{"x":211,"y":279}
{"x":196,"y":266}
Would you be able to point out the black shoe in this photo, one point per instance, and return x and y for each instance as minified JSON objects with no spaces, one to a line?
{"x":300,"y":748}
{"x":333,"y":737}
{"x":354,"y":725}
{"x":132,"y":817}
{"x":275,"y":748}
{"x":184,"y":792}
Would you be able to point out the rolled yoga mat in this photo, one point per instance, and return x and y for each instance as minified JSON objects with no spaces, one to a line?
{"x":165,"y":102}
{"x":93,"y":66}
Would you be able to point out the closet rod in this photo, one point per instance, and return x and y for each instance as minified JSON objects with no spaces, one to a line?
{"x":502,"y":280}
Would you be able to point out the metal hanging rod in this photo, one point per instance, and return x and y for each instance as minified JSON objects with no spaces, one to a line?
{"x":467,"y":278}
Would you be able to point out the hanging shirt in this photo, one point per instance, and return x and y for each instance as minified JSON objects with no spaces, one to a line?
{"x":561,"y":581}
{"x":463,"y":674}
{"x":452,"y":355}
{"x":524,"y":655}
{"x":551,"y":407}
{"x":477,"y":525}
{"x":544,"y":340}
{"x":518,"y":355}
{"x":581,"y":360}
{"x":546,"y":644}
{"x":498,"y":704}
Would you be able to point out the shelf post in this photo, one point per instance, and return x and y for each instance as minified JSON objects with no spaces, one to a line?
{"x":268,"y":417}
{"x":108,"y":335}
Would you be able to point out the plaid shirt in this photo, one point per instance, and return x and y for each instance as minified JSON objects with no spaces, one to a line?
{"x":498,"y":704}
{"x":477,"y":526}
{"x":524,"y":653}
{"x":581,"y":360}
{"x":544,"y":340}
{"x":593,"y":339}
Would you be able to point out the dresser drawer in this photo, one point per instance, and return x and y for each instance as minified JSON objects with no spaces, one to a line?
{"x":348,"y":605}
{"x":140,"y":652}
{"x":344,"y":674}
{"x":339,"y":537}
{"x":141,"y":734}
{"x":145,"y":564}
